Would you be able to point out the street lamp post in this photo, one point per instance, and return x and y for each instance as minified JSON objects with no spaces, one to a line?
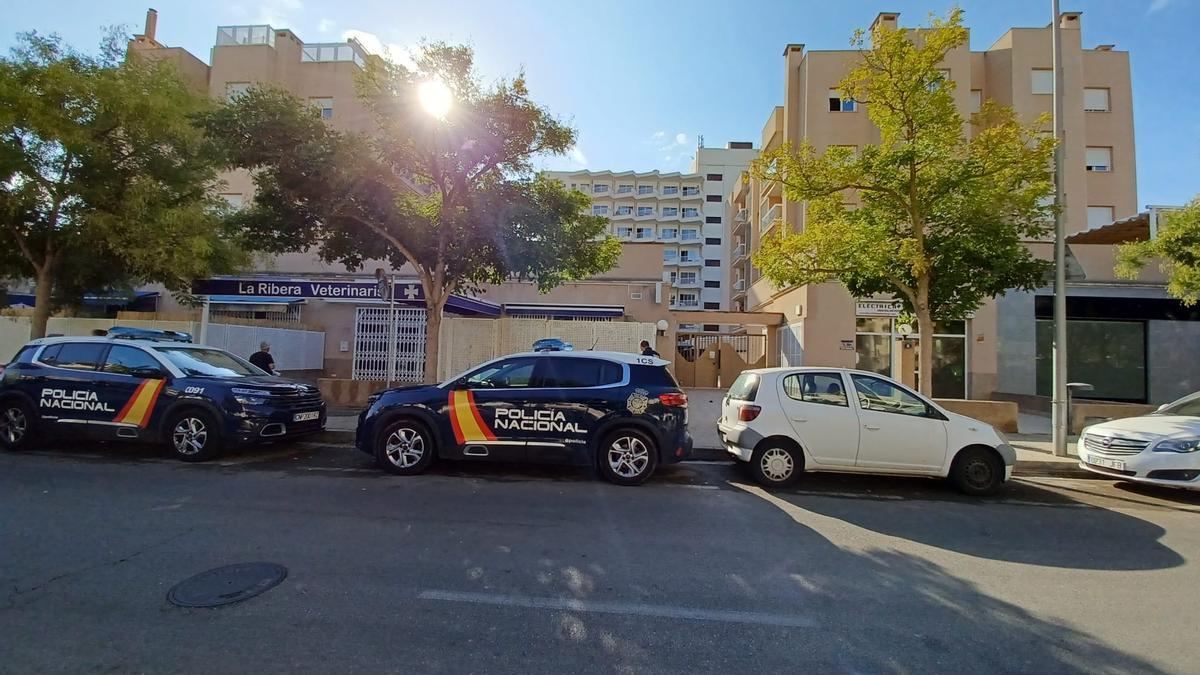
{"x":1060,"y":400}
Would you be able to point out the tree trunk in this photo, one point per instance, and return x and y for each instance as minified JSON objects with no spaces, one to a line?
{"x":925,"y":346}
{"x":42,"y":294}
{"x":435,"y":302}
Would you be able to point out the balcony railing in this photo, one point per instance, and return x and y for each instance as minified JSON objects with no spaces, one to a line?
{"x":742,"y":215}
{"x":690,"y":214}
{"x":739,"y":285}
{"x":690,"y":235}
{"x":687,"y":282}
{"x":768,"y":219}
{"x":685,"y":304}
{"x":334,"y":51}
{"x":643,"y":193}
{"x":691,"y":193}
{"x":261,"y":34}
{"x":690,"y":262}
{"x":739,"y":252}
{"x":668,"y":235}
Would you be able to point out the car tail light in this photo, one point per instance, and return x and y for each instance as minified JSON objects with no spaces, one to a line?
{"x":748,"y":413}
{"x":676,"y":400}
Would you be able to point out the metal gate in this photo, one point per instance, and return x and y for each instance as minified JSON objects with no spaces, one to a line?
{"x":373,"y":331}
{"x":715,"y":360}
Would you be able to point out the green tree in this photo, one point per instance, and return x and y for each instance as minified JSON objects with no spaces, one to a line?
{"x":104,"y":175}
{"x":1177,"y":247}
{"x":454,"y":198}
{"x":943,"y":203}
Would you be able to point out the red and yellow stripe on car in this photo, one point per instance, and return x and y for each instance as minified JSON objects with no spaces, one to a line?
{"x":468,"y":424}
{"x":139,"y":407}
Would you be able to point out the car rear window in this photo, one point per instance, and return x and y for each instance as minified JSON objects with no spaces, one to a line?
{"x":652,"y":376}
{"x":24,"y":355}
{"x":745,"y":387}
{"x":574,"y":372}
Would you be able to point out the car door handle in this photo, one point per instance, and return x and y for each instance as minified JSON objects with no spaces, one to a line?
{"x":800,"y":419}
{"x":870,"y":427}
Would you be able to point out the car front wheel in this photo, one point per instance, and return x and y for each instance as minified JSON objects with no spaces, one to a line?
{"x":628,"y":457}
{"x":977,"y":472}
{"x":192,"y":436}
{"x":776,"y":465}
{"x":16,"y":425}
{"x":404,"y":448}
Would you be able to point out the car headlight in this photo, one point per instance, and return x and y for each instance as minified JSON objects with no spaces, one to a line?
{"x":373,"y":398}
{"x":249,"y":400}
{"x":250,"y":396}
{"x":1179,"y":445}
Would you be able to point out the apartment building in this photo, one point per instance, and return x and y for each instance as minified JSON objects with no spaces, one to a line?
{"x":684,"y":212}
{"x":974,"y":358}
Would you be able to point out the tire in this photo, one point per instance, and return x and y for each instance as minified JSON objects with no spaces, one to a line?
{"x":192,"y":436}
{"x":776,"y":464}
{"x":18,"y":425}
{"x":404,"y":447}
{"x":977,"y":472}
{"x":627,"y":457}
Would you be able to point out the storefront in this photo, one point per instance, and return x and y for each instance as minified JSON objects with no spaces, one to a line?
{"x":884,"y":344}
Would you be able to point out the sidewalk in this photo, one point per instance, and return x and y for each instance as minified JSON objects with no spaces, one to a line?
{"x":1035,"y":454}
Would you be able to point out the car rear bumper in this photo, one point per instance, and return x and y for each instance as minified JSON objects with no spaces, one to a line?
{"x":738,"y":441}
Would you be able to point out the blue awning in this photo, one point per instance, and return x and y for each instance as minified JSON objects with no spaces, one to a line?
{"x":251,"y":300}
{"x":92,"y":299}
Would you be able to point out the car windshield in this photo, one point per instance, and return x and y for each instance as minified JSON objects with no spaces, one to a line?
{"x":1188,"y":405}
{"x":208,"y":362}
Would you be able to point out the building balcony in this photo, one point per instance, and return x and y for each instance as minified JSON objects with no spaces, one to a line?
{"x":770,"y":188}
{"x":617,"y":215}
{"x":691,"y":193}
{"x":686,"y":304}
{"x":326,"y":52}
{"x":644,"y":235}
{"x":623,"y":194}
{"x":652,"y":194}
{"x":769,"y":218}
{"x":668,"y":235}
{"x":739,"y":285}
{"x":669,"y":192}
{"x":669,"y":216}
{"x":690,"y":238}
{"x":742,"y":215}
{"x":693,"y":282}
{"x":690,"y":218}
{"x":690,"y":262}
{"x":739,"y":252}
{"x":646,"y":216}
{"x":260,"y":34}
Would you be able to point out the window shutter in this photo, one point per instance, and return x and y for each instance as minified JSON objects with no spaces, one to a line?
{"x":1095,"y":100}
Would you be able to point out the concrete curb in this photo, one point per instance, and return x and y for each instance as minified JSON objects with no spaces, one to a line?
{"x":1023,"y":468}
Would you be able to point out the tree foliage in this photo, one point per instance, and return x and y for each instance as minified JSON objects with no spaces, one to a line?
{"x":1177,"y":246}
{"x":105,"y":179}
{"x":934,"y":213}
{"x":453,"y":199}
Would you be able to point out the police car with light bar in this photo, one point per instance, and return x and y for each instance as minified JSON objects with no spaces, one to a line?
{"x":623,"y":413}
{"x":143,"y":386}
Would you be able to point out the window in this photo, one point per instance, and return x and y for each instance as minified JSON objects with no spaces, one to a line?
{"x":645,"y":210}
{"x":712,"y":284}
{"x":712,"y":263}
{"x":124,"y":360}
{"x":691,"y":191}
{"x":624,"y":231}
{"x":713,"y":220}
{"x":1098,"y":159}
{"x":1098,"y":216}
{"x":687,"y":278}
{"x":976,"y":100}
{"x":24,"y":355}
{"x":624,"y":210}
{"x":506,"y":374}
{"x":636,"y":295}
{"x":234,"y":90}
{"x":713,"y":198}
{"x":691,"y":213}
{"x":839,"y":104}
{"x":645,"y":189}
{"x":583,"y":187}
{"x":670,"y":190}
{"x":688,"y":300}
{"x":688,"y":256}
{"x":645,"y":233}
{"x":202,"y":362}
{"x":599,"y":210}
{"x":822,"y":388}
{"x":670,"y":255}
{"x":670,"y":211}
{"x":572,"y":373}
{"x":712,"y":241}
{"x":76,"y":355}
{"x":1096,"y":99}
{"x":690,"y":235}
{"x":879,"y":395}
{"x":668,"y":233}
{"x":673,"y":277}
{"x":1042,"y":81}
{"x":600,"y":188}
{"x":744,"y":388}
{"x":941,"y":80}
{"x":624,"y":189}
{"x":712,"y":305}
{"x":714,"y":176}
{"x":324,"y":106}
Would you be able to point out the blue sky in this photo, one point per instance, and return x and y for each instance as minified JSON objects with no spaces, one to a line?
{"x":641,"y":79}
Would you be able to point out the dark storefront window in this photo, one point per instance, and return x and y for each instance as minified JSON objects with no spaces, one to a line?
{"x":1109,"y":355}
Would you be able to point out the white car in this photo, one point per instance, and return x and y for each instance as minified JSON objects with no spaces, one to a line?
{"x":1162,"y":448}
{"x":785,"y":421}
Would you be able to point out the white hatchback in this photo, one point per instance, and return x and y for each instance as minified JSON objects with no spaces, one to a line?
{"x":1162,"y":448}
{"x":785,"y":421}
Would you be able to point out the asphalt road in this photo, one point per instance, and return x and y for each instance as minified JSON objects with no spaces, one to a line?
{"x":482,"y":568}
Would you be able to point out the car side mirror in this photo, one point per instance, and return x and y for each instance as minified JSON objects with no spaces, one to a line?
{"x":1162,"y":407}
{"x":460,"y":383}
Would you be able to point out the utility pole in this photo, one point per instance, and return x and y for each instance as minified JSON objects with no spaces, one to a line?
{"x":1059,"y":411}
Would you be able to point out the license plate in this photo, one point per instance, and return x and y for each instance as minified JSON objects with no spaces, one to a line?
{"x":306,"y":416}
{"x":1107,"y":463}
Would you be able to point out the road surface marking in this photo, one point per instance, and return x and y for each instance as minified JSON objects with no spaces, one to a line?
{"x":618,"y":607}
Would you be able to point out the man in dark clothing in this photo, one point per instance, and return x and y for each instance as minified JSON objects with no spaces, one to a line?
{"x":263,"y":359}
{"x":647,"y":350}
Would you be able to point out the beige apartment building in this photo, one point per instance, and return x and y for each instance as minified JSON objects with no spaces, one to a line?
{"x":1003,"y":349}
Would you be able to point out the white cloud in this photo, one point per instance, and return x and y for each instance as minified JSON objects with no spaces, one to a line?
{"x":278,"y":13}
{"x":577,"y":157}
{"x":397,"y":53}
{"x":681,"y":138}
{"x":658,"y":135}
{"x":672,"y":150}
{"x":325,"y":25}
{"x":1159,"y":5}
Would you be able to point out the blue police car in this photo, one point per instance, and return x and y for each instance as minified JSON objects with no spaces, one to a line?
{"x":193,"y":399}
{"x":622,"y":413}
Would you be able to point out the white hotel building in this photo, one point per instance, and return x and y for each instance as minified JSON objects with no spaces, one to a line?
{"x":682,"y":212}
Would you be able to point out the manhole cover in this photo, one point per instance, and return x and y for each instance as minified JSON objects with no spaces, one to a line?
{"x":227,"y":585}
